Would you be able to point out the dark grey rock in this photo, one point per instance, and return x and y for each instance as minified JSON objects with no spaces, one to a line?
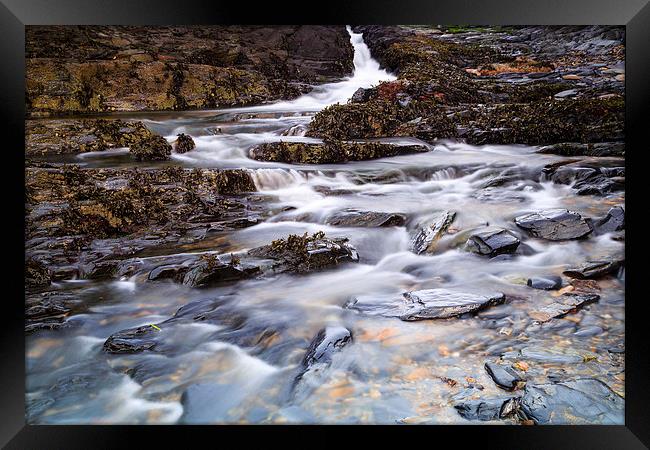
{"x":487,"y":409}
{"x":133,"y":340}
{"x":593,"y":269}
{"x":493,"y":242}
{"x":352,"y":218}
{"x":504,"y":377}
{"x":581,"y":401}
{"x":547,"y":283}
{"x":328,"y":341}
{"x":444,"y":303}
{"x":613,"y":221}
{"x":554,"y":224}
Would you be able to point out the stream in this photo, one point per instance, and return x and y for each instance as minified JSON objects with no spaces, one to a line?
{"x":394,"y":371}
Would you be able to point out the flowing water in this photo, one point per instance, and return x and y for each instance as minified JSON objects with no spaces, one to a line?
{"x":240,"y":367}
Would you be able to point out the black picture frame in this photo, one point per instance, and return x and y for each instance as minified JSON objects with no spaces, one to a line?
{"x":15,"y":14}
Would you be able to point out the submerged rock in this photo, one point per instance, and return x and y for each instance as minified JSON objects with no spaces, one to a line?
{"x":581,"y":401}
{"x":352,"y":218}
{"x":155,"y":148}
{"x":568,"y":302}
{"x":426,"y":238}
{"x":593,"y":269}
{"x":329,"y":152}
{"x":547,"y":283}
{"x":504,"y":377}
{"x":554,"y":224}
{"x":444,"y":303}
{"x":493,"y":242}
{"x":184,"y":143}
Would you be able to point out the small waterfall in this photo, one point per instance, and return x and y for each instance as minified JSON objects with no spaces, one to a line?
{"x":273,"y":179}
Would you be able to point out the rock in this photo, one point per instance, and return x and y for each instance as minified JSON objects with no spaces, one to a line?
{"x":576,"y":402}
{"x":426,"y":238}
{"x":173,"y":271}
{"x":591,"y":149}
{"x":569,"y":302}
{"x":155,"y":148}
{"x":328,"y":341}
{"x":36,"y":274}
{"x":98,"y":270}
{"x":493,"y":242}
{"x":329,"y":152}
{"x":593,"y":269}
{"x":212,"y":269}
{"x":444,"y":303}
{"x":49,"y":310}
{"x":361,"y":95}
{"x":184,"y":143}
{"x":353,"y":218}
{"x":133,"y":340}
{"x":305,"y":253}
{"x":554,"y":224}
{"x":567,"y":93}
{"x":589,"y":331}
{"x":547,"y":283}
{"x":487,"y":409}
{"x":503,"y":376}
{"x":613,"y":221}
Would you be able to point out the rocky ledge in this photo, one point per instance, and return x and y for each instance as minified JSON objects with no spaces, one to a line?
{"x":73,"y":69}
{"x":329,"y":152}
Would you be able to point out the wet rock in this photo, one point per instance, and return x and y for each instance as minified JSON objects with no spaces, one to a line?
{"x":212,"y":270}
{"x":98,"y":270}
{"x":155,"y":148}
{"x":547,"y":283}
{"x":487,"y":409}
{"x":594,"y":269}
{"x":590,"y":149}
{"x":503,"y":376}
{"x":581,"y":401}
{"x":567,"y":303}
{"x":567,"y":93}
{"x":613,"y":221}
{"x":352,"y":218}
{"x":361,"y":95}
{"x":184,"y":143}
{"x":492,"y":242}
{"x":426,"y":238}
{"x":589,"y":331}
{"x":133,"y":340}
{"x":36,"y":274}
{"x":63,"y":136}
{"x":305,"y":253}
{"x":329,"y":152}
{"x":173,"y":271}
{"x":328,"y":341}
{"x":49,"y":310}
{"x":554,"y":224}
{"x":444,"y":303}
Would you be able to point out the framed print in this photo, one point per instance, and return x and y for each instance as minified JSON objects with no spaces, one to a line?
{"x":406,"y":217}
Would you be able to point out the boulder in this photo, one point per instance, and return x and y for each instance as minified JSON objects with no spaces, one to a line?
{"x":487,"y":409}
{"x":493,"y":242}
{"x":212,"y":270}
{"x":426,"y":238}
{"x":554,"y":224}
{"x":591,"y":149}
